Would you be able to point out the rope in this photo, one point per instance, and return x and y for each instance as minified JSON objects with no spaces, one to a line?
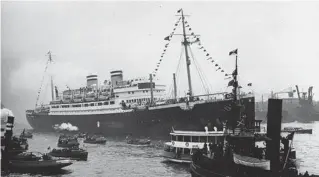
{"x":45,"y":91}
{"x":199,"y":71}
{"x":177,"y":72}
{"x":39,"y":91}
{"x":171,"y":91}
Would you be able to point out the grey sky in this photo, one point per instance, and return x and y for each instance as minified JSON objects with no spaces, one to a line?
{"x":277,"y":41}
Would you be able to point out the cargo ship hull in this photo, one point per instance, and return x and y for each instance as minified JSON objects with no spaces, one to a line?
{"x":152,"y":122}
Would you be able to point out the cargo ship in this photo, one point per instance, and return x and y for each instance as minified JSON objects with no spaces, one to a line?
{"x":300,"y":108}
{"x":138,"y":106}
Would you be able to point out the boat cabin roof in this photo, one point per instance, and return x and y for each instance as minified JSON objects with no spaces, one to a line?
{"x":198,"y":133}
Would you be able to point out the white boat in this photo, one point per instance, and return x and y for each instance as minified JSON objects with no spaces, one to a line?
{"x":180,"y":148}
{"x":251,"y":162}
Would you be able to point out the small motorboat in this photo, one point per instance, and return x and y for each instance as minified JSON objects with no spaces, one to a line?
{"x":298,"y":130}
{"x":26,"y":134}
{"x":138,"y":142}
{"x":67,"y":141}
{"x":72,"y":153}
{"x":81,"y":135}
{"x":18,"y":145}
{"x":36,"y":162}
{"x":95,"y":140}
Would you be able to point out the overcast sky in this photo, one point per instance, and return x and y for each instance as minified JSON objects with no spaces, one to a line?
{"x":277,"y":44}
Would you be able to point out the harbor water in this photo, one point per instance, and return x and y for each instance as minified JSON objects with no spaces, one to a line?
{"x":116,"y":158}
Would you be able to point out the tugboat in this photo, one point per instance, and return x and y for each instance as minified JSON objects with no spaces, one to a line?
{"x":17,"y":145}
{"x":25,"y":161}
{"x":72,"y":153}
{"x":180,"y":148}
{"x":67,"y":141}
{"x":36,"y":162}
{"x":95,"y":139}
{"x":239,"y":156}
{"x":138,"y":142}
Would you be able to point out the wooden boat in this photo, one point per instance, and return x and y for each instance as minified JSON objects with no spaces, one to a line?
{"x":95,"y":140}
{"x":36,"y":162}
{"x":68,"y":141}
{"x":72,"y":153}
{"x":297,"y":130}
{"x":251,"y":162}
{"x":137,"y":142}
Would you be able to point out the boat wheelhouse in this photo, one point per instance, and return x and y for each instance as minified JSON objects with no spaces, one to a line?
{"x":180,"y":148}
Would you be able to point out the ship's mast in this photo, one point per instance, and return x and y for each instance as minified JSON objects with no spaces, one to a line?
{"x":52,"y":91}
{"x":175,"y":89}
{"x":235,"y":74}
{"x":151,"y":86}
{"x":188,"y":62}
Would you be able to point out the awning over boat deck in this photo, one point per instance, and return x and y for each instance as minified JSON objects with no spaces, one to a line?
{"x":199,"y":133}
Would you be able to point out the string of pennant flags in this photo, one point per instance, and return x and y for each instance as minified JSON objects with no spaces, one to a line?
{"x":201,"y":47}
{"x":196,"y":39}
{"x":168,"y":38}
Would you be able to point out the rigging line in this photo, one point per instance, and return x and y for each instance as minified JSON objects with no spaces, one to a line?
{"x":45,"y":91}
{"x":198,"y":71}
{"x":205,"y":86}
{"x":208,"y":85}
{"x":39,"y":91}
{"x":171,"y":91}
{"x":177,"y":73}
{"x":166,"y":46}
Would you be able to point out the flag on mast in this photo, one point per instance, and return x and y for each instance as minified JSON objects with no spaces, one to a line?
{"x":233,"y":52}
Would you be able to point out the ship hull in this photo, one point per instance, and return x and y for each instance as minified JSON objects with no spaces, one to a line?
{"x":291,"y":116}
{"x":152,"y":123}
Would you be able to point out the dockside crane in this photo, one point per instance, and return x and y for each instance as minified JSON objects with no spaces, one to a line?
{"x":289,"y":90}
{"x":305,"y":99}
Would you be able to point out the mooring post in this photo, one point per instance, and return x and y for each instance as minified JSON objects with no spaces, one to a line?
{"x":274,"y":117}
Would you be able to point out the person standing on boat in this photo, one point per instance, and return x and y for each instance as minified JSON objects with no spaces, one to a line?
{"x":211,"y":149}
{"x":205,"y":149}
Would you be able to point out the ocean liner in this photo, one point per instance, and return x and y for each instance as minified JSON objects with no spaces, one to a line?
{"x":301,"y":108}
{"x":137,"y":106}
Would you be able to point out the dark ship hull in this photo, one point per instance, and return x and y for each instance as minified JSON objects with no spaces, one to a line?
{"x":298,"y":115}
{"x":292,"y":111}
{"x":152,"y":122}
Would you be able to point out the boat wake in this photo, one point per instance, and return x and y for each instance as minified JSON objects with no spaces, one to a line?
{"x":66,"y":126}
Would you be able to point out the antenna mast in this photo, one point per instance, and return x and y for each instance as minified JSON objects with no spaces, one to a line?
{"x":188,"y":62}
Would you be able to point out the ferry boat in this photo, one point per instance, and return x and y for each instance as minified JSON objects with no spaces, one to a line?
{"x":180,"y":148}
{"x":136,"y":106}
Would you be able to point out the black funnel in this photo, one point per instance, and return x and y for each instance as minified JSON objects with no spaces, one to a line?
{"x":274,"y":117}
